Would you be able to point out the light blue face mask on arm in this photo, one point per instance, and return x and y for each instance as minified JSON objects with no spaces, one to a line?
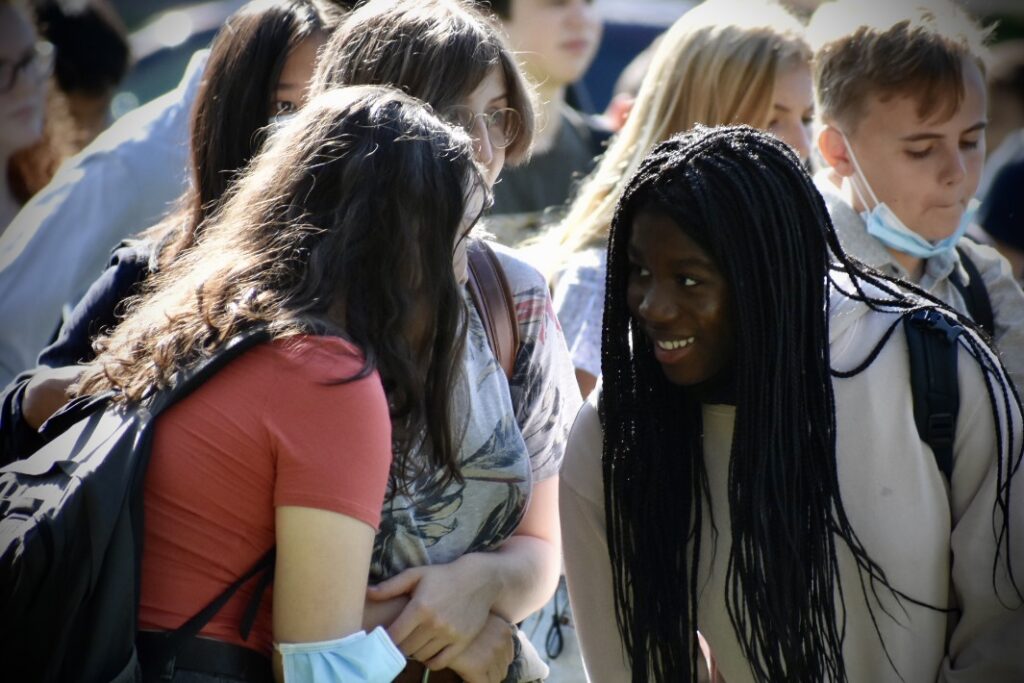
{"x":888,"y":229}
{"x":359,"y":658}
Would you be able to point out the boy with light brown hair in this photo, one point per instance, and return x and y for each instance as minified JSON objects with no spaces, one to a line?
{"x":901,"y":94}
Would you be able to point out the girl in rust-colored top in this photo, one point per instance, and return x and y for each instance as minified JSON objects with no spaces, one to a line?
{"x":291,"y":444}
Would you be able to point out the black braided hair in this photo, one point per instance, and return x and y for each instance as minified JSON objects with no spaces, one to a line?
{"x":745,"y":198}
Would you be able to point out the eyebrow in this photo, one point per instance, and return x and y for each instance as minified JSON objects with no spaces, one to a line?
{"x":917,"y":137}
{"x":502,"y":96}
{"x":690,"y":262}
{"x":693,"y":262}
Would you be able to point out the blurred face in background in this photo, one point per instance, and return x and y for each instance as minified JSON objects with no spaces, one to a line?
{"x":25,"y":66}
{"x":554,"y":40}
{"x":793,"y":107}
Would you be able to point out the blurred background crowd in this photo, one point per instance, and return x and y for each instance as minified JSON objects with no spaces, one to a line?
{"x":88,"y":64}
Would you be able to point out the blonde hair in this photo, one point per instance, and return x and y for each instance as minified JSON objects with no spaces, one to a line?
{"x":895,"y":48}
{"x":709,"y":70}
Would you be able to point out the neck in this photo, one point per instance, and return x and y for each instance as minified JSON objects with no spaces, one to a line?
{"x":720,"y":389}
{"x":551,"y":97}
{"x":912,"y":264}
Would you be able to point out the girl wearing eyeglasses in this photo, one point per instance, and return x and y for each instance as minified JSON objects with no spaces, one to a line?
{"x":473,"y":543}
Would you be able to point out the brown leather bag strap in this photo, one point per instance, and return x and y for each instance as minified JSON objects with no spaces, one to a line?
{"x":493,"y":301}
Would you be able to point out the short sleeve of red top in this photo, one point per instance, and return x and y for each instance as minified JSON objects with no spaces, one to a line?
{"x":274,"y":427}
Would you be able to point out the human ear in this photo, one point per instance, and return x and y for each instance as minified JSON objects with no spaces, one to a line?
{"x":618,"y":110}
{"x":832,"y":146}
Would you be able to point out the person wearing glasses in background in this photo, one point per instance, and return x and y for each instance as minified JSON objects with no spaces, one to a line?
{"x":256,"y":76}
{"x":29,"y":143}
{"x":555,"y":42}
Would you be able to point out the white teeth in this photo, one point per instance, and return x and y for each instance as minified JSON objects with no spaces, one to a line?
{"x":674,"y":344}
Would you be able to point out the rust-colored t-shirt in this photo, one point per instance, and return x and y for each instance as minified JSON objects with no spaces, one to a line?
{"x":274,"y":427}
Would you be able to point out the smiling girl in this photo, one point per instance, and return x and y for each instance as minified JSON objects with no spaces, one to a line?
{"x":723,"y":62}
{"x":751,"y":467}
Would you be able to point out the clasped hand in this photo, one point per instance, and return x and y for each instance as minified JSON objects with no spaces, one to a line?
{"x":448,"y":621}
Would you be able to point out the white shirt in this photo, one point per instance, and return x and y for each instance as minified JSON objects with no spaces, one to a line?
{"x":123,"y":182}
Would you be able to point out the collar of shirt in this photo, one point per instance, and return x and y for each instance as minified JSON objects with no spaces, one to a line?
{"x":855,"y":240}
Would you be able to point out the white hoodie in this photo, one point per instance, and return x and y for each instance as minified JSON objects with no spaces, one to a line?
{"x":935,"y":544}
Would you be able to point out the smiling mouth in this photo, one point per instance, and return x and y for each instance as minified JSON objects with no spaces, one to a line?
{"x":672,"y":351}
{"x":673,"y":344}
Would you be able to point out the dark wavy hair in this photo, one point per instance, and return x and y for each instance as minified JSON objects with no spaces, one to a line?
{"x":229,"y":119}
{"x":436,"y":50}
{"x":344,"y":225}
{"x":746,"y":199}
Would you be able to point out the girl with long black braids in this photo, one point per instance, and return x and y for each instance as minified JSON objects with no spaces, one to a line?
{"x":751,"y":465}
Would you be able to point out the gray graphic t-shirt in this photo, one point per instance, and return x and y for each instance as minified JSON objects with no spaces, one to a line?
{"x":514,"y":436}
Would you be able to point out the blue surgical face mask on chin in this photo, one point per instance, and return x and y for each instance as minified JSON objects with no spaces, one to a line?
{"x":885,"y":226}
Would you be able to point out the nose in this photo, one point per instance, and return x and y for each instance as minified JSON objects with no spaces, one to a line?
{"x":954,"y":167}
{"x":657,"y":306}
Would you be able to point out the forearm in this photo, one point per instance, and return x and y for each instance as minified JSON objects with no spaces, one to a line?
{"x":524,"y":571}
{"x":382,"y":612}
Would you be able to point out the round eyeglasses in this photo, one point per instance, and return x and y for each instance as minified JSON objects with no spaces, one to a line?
{"x":502,"y":125}
{"x":36,"y":64}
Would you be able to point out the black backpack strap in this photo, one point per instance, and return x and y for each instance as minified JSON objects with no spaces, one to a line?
{"x":934,"y":381}
{"x":187,"y":382}
{"x":975,"y":294}
{"x":161,"y":648}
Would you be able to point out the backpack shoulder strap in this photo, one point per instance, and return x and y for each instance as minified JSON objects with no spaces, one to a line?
{"x":934,"y":381}
{"x":492,"y":297}
{"x":975,"y":294}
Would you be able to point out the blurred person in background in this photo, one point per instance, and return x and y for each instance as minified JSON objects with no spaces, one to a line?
{"x":35,"y":130}
{"x":127,"y":179}
{"x":627,"y":87}
{"x":93,"y":57}
{"x":258,"y":72}
{"x":1001,"y":214}
{"x":555,"y":43}
{"x":723,"y":62}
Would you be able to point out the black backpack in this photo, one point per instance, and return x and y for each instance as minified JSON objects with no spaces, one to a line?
{"x":934,"y":380}
{"x":71,"y":541}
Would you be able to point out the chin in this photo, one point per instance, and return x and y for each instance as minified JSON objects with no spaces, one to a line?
{"x":939,"y":227}
{"x":681,"y":377}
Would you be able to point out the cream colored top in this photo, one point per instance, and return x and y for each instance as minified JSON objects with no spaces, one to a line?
{"x":935,"y":545}
{"x":1004,"y":292}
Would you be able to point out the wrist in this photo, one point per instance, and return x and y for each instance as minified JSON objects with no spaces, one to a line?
{"x":491,"y":575}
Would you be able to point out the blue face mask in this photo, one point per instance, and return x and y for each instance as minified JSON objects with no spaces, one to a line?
{"x":888,"y":229}
{"x":883,"y":224}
